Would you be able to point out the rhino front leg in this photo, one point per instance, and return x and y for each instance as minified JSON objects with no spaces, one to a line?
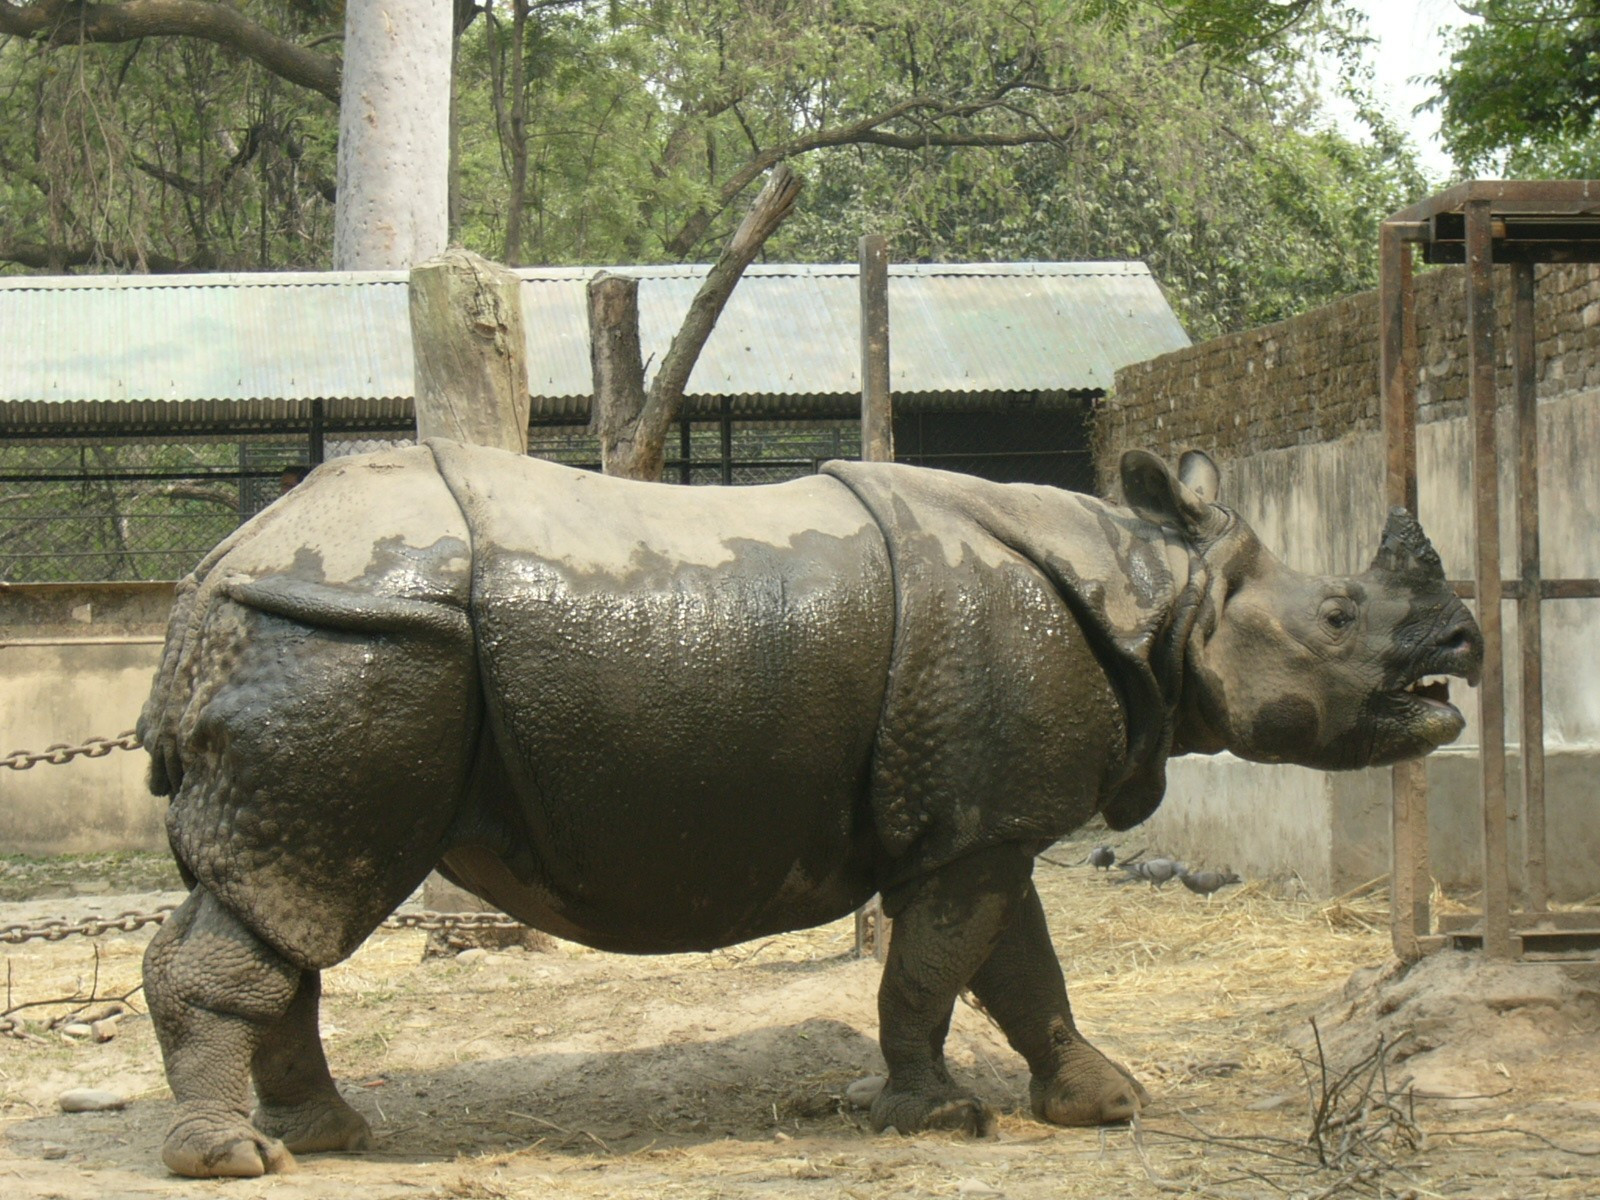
{"x":945,"y":927}
{"x":1022,"y":988}
{"x":297,"y":1101}
{"x":215,"y":991}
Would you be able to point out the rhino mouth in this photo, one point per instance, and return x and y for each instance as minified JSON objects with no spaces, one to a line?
{"x":1432,"y":690}
{"x":1430,"y":714}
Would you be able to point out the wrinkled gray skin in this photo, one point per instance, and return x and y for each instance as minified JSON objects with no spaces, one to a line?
{"x":661,"y":719}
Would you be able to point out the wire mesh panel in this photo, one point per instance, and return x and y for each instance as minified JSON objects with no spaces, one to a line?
{"x":134,"y":509}
{"x":148,"y":509}
{"x":714,"y":452}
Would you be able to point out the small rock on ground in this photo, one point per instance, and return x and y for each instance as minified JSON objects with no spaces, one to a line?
{"x":89,"y":1100}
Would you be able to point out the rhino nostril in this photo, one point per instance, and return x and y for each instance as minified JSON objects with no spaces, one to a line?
{"x":1459,"y":643}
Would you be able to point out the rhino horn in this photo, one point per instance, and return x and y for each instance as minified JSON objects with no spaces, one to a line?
{"x":1406,"y":550}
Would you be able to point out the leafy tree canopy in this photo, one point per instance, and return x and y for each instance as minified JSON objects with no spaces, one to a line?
{"x":1522,"y":89}
{"x":1185,"y":133}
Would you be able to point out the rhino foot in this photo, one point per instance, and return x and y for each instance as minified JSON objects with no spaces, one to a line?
{"x":207,"y":1142}
{"x":326,"y":1123}
{"x":1087,"y":1089}
{"x":914,"y":1112}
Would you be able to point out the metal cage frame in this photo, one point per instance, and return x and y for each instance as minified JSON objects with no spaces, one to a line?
{"x":1481,"y":224}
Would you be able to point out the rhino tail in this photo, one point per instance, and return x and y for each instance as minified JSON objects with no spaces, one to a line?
{"x":157,"y":726}
{"x":158,"y":720}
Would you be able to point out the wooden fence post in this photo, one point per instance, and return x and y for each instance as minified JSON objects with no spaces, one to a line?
{"x":471,"y":364}
{"x":877,"y":445}
{"x":471,"y":386}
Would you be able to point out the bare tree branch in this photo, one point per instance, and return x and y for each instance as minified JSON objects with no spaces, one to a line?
{"x":638,"y":453}
{"x":932,"y":111}
{"x":70,"y":22}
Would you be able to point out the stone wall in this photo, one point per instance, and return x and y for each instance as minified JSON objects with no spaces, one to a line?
{"x":1315,"y":378}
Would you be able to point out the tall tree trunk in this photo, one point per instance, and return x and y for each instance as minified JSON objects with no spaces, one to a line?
{"x":517,"y":135}
{"x":394,"y":134}
{"x":632,"y":424}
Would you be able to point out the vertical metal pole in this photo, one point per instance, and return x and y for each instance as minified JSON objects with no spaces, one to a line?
{"x":1409,"y":875}
{"x":1486,"y":525}
{"x":315,"y":446}
{"x":1529,"y":620}
{"x":727,"y":440}
{"x":685,"y":452}
{"x":877,"y":419}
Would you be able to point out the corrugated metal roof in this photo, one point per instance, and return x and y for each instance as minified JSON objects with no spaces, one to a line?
{"x":263,"y":346}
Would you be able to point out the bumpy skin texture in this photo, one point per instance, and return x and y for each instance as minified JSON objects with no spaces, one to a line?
{"x":659,"y":719}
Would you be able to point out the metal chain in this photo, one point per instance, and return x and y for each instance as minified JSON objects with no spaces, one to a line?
{"x":95,"y":747}
{"x":441,"y":920}
{"x":59,"y":928}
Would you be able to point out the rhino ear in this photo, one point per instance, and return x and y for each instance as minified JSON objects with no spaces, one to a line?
{"x":1200,"y":475}
{"x":1151,"y":489}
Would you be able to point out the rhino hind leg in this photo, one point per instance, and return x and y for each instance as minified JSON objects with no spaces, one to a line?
{"x":1022,"y":988}
{"x":215,"y":992}
{"x":944,"y":931}
{"x":297,"y":1102}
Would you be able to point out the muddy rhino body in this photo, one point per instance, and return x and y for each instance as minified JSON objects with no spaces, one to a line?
{"x":658,"y":719}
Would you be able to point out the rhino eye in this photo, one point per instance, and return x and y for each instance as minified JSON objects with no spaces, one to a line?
{"x":1337,"y":616}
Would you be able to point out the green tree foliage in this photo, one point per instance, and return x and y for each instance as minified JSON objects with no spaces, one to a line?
{"x":1522,"y":89}
{"x":162,"y":154}
{"x":596,"y":131}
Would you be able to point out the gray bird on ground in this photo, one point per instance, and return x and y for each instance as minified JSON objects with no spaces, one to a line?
{"x":1154,"y":871}
{"x":1205,"y":883}
{"x":1101,"y":858}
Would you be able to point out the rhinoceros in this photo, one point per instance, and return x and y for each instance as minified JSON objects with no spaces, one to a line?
{"x":653,"y":718}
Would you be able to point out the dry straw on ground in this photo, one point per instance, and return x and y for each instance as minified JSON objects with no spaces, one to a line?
{"x":583,"y":1074}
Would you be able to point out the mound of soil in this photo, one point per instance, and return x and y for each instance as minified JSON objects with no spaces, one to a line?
{"x":1466,"y":1031}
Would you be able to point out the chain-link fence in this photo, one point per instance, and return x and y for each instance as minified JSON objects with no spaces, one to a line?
{"x":129,"y":509}
{"x":147,"y":509}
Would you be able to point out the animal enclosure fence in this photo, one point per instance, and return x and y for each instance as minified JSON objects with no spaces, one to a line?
{"x":148,"y":508}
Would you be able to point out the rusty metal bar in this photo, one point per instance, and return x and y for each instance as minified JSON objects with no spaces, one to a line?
{"x":1410,"y":883}
{"x":1486,"y":524}
{"x":1549,"y":589}
{"x":1530,"y":625}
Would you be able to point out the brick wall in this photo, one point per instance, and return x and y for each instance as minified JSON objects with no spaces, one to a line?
{"x":1315,"y":378}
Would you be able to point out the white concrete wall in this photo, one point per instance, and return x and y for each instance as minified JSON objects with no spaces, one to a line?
{"x":1320,"y":507}
{"x":68,"y":692}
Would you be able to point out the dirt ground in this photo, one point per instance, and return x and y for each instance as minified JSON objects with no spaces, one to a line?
{"x":577,"y":1073}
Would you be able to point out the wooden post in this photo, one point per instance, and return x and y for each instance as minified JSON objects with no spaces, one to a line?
{"x":1530,"y":624}
{"x":1497,"y":941}
{"x":877,"y":445}
{"x":877,"y":412}
{"x":471,"y":364}
{"x":471,"y":386}
{"x":616,"y":365}
{"x":1410,"y":879}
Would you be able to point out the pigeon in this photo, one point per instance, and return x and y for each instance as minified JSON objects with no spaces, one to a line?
{"x":1101,"y":858}
{"x":1155,"y":871}
{"x":1204,"y":883}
